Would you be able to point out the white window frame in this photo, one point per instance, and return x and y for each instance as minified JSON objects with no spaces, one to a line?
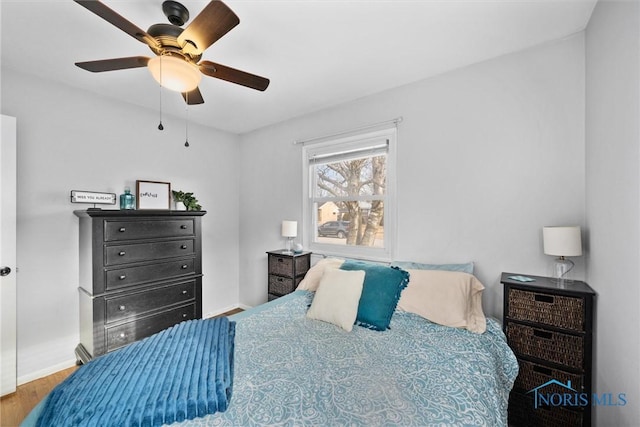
{"x":343,"y":144}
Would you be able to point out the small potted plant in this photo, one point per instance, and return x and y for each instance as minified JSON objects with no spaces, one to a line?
{"x":185,"y":201}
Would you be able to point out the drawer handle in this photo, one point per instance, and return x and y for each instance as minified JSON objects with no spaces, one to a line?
{"x":122,"y":277}
{"x":184,"y":266}
{"x":184,"y":315}
{"x":544,"y":298}
{"x":122,"y":253}
{"x":122,"y":229}
{"x":122,"y":308}
{"x":183,"y":247}
{"x":280,"y":259}
{"x":184,"y":292}
{"x":123,"y":335}
{"x":541,"y":370}
{"x":183,"y":227}
{"x":543,"y":334}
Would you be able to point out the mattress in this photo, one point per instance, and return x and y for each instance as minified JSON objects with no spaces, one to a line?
{"x":291,"y":370}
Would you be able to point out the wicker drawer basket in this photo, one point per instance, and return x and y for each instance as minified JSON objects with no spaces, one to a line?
{"x":281,"y":285}
{"x":532,"y":375}
{"x":556,"y":347}
{"x":555,"y":310}
{"x":282,"y":266}
{"x":523,"y":413}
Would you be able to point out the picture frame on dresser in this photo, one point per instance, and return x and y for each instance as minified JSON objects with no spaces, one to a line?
{"x":153,"y":195}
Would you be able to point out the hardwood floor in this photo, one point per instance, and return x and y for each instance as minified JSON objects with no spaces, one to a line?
{"x":16,"y":406}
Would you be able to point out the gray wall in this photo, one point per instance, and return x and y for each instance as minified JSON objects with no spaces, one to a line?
{"x":613,"y":201}
{"x":487,"y":155}
{"x":68,"y":139}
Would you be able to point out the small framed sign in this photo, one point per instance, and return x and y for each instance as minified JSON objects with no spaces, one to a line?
{"x":93,"y":197}
{"x":153,"y":195}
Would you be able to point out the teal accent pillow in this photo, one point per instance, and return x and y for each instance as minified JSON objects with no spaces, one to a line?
{"x":380,"y":293}
{"x":464,"y":268}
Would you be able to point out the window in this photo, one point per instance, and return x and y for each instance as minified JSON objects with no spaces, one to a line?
{"x":349,"y":195}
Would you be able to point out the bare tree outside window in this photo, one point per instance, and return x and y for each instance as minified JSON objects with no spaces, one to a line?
{"x":357,"y":188}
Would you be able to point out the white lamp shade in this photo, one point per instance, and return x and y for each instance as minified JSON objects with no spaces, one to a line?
{"x":562,"y":241}
{"x":289,"y":228}
{"x":174,"y":73}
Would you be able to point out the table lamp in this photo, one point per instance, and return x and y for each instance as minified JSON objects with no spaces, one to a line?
{"x":290,"y":231}
{"x":562,"y":242}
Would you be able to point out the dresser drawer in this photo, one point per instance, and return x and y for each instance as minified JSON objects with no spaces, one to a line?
{"x":134,"y":304}
{"x":118,"y":230}
{"x":564,"y":349}
{"x":121,"y":335}
{"x":123,"y":254}
{"x":554,"y":310}
{"x":129,"y":276}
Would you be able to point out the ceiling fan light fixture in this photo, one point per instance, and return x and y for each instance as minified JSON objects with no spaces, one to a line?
{"x":175,"y":73}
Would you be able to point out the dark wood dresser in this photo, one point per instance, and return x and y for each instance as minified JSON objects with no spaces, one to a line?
{"x":286,"y":271}
{"x":549,"y":327}
{"x":140,"y":273}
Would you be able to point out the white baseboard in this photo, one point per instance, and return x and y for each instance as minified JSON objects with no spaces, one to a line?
{"x":219,"y":312}
{"x":46,"y":372}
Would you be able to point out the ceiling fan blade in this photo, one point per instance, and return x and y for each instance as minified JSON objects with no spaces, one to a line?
{"x":119,"y":21}
{"x":193,"y":98}
{"x":232,"y":75}
{"x":215,"y":20}
{"x":114,"y":64}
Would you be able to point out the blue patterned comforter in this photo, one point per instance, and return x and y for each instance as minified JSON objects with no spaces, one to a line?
{"x":290,"y":370}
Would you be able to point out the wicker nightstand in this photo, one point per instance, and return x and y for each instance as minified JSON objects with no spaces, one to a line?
{"x":549,"y":327}
{"x":286,"y":271}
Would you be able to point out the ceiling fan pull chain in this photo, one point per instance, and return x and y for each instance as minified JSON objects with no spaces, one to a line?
{"x":186,"y":124}
{"x":160,"y":127}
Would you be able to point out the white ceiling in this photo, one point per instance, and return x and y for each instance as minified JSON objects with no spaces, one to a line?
{"x":317,"y":53}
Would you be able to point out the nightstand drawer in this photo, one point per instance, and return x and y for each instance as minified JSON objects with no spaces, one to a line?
{"x":532,"y":375}
{"x":554,"y":310}
{"x":564,"y":349}
{"x":279,"y":285}
{"x":282,"y":266}
{"x":523,"y":413}
{"x":147,"y":229}
{"x":123,"y":254}
{"x":130,"y":305}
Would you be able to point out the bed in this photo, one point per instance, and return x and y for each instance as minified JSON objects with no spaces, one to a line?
{"x":292,"y":370}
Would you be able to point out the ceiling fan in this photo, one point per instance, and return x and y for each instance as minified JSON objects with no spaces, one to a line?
{"x":177,"y":50}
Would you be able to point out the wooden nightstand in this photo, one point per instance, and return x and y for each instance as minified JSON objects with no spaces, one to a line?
{"x":286,"y":271}
{"x":549,"y":327}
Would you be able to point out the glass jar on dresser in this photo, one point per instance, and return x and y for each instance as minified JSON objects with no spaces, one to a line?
{"x":140,"y":273}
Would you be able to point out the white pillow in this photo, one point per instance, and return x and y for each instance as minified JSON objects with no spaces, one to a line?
{"x":337,"y":297}
{"x":314,"y":274}
{"x":445,"y":297}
